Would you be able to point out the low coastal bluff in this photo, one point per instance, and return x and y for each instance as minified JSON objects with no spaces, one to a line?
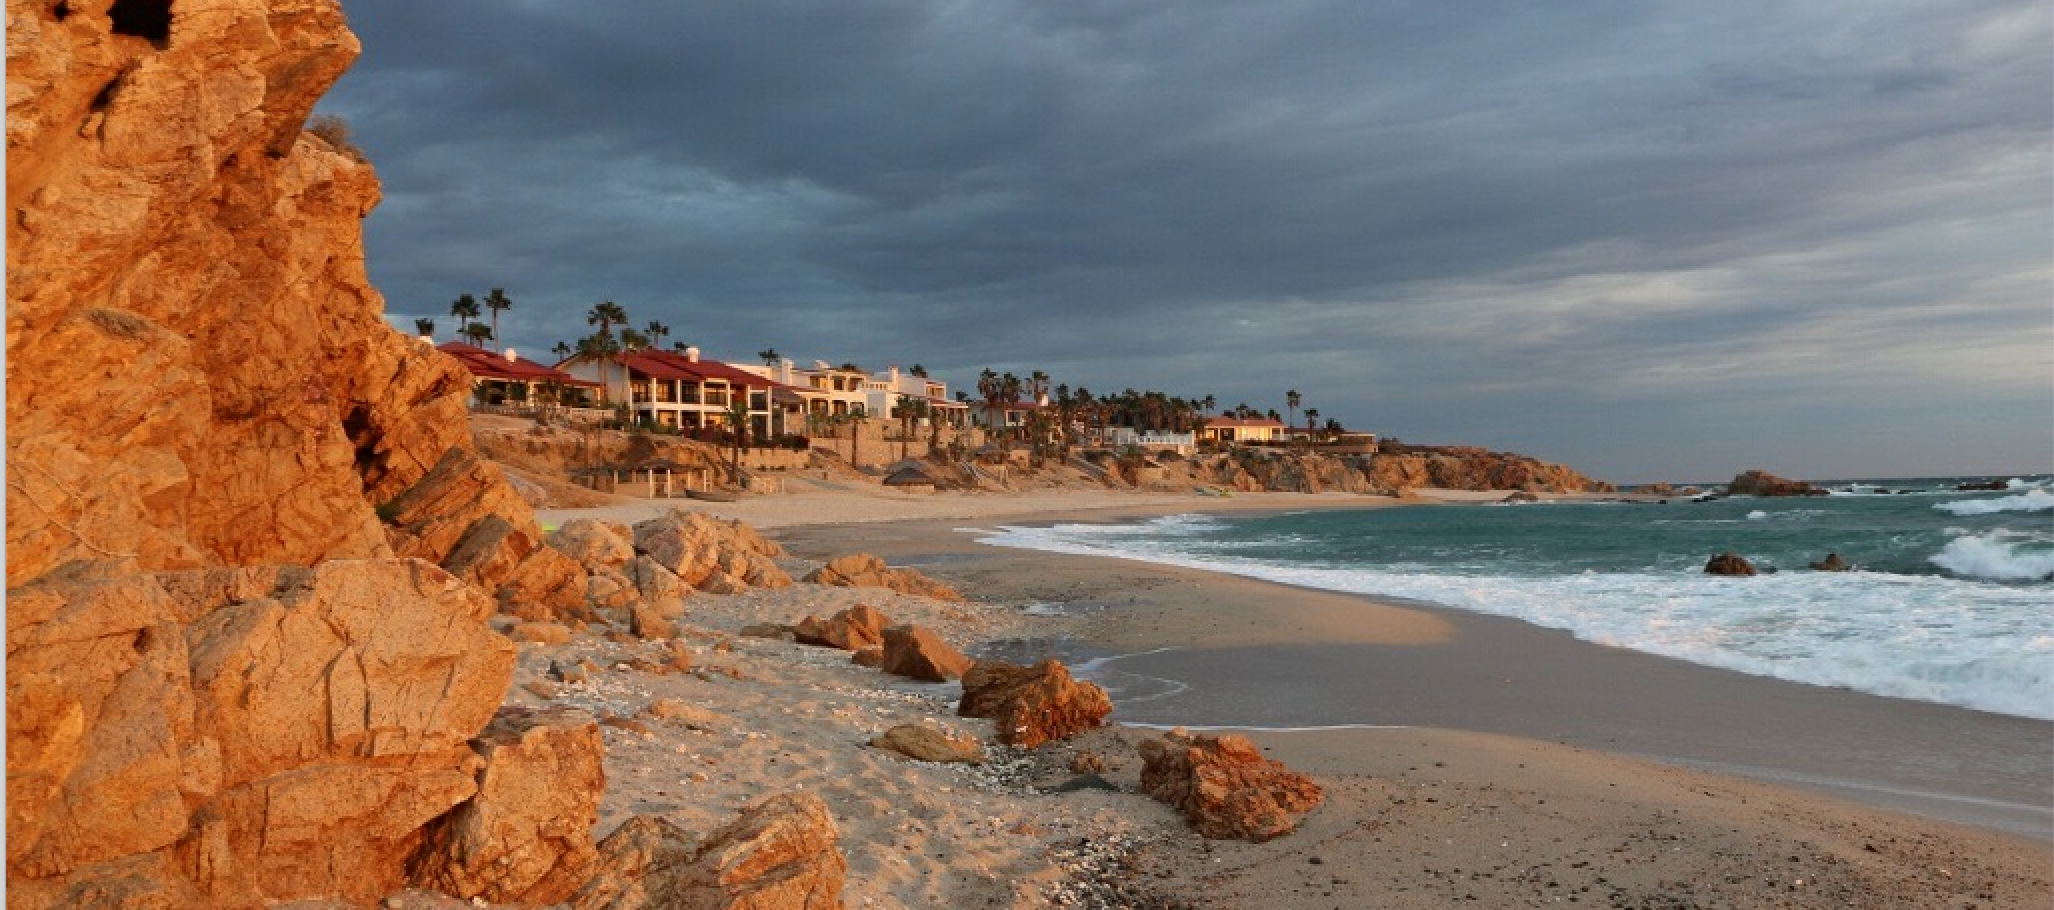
{"x":547,"y":460}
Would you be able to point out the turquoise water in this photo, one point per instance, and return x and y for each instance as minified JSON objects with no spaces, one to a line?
{"x":1951,"y":600}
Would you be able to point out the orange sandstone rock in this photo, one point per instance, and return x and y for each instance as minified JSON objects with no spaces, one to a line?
{"x":853,"y":629}
{"x":862,"y":570}
{"x":527,"y":835}
{"x":917,"y":652}
{"x":1032,"y":705}
{"x":780,"y":854}
{"x":1224,"y":786}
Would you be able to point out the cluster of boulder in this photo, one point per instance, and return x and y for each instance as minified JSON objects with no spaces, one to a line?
{"x":640,"y":576}
{"x":862,"y":570}
{"x":1734,"y":564}
{"x":1222,"y":784}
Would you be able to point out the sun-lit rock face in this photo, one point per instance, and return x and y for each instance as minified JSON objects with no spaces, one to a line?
{"x":198,"y":371}
{"x":226,"y":687}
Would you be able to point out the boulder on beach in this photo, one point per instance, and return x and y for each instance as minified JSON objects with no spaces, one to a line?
{"x":916,"y":652}
{"x":1224,"y":786}
{"x":1032,"y":705}
{"x":1729,"y":563}
{"x":780,"y":854}
{"x":853,"y":629}
{"x":924,"y":743}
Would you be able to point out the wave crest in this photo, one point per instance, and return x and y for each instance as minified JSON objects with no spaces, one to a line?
{"x":1990,"y":556}
{"x":2033,"y":500}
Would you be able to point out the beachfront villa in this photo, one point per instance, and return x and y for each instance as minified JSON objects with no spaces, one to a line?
{"x":682,"y":390}
{"x":1005,"y":417}
{"x":1241,"y":429}
{"x":810,"y":397}
{"x":504,"y":379}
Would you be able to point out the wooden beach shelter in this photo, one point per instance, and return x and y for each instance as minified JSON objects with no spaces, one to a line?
{"x":664,"y":478}
{"x":911,"y":478}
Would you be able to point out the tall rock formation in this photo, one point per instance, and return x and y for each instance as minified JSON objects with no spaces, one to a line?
{"x":198,"y":371}
{"x":203,"y":399}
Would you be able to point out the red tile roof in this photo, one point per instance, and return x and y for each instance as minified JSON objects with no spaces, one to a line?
{"x":670,"y":365}
{"x":485,"y":364}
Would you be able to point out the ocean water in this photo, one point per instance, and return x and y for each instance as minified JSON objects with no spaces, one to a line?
{"x":1952,"y":600}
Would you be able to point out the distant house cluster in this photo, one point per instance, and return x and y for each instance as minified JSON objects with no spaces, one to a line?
{"x":687,"y":391}
{"x":684,"y":391}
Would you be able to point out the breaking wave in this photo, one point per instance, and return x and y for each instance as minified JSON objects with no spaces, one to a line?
{"x":1997,"y":557}
{"x":2032,"y":500}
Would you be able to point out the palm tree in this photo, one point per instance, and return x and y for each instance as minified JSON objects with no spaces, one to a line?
{"x":856,"y":418}
{"x":600,"y":349}
{"x":563,"y":352}
{"x":656,"y":331}
{"x":1292,"y":400}
{"x":606,"y":314}
{"x":1208,"y":403}
{"x":465,"y":309}
{"x":478,"y":332}
{"x":770,"y":356}
{"x":1311,"y":424}
{"x":1037,"y":386}
{"x":910,"y":409}
{"x":918,"y":370}
{"x":738,"y":433}
{"x":425,"y":326}
{"x":496,"y":300}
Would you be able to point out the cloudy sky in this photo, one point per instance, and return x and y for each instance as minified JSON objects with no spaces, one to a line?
{"x":1652,"y":240}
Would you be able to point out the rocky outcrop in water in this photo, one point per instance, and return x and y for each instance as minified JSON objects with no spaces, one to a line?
{"x":1758,"y":482}
{"x":1729,"y":563}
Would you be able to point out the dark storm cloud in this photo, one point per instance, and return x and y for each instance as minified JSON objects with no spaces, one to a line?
{"x":1585,"y":232}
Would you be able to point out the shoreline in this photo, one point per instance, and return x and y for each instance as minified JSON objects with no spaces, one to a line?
{"x":1241,"y":647}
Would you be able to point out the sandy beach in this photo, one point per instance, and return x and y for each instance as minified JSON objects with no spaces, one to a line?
{"x":1498,"y":764}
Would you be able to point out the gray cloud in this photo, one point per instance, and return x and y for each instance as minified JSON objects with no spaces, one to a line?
{"x":1648,"y":239}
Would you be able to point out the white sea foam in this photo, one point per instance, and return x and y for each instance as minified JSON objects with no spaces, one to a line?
{"x":2033,"y":499}
{"x":1999,"y":555}
{"x":1931,"y":638}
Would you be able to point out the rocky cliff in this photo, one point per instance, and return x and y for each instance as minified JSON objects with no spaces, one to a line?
{"x":198,"y":372}
{"x":202,"y":400}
